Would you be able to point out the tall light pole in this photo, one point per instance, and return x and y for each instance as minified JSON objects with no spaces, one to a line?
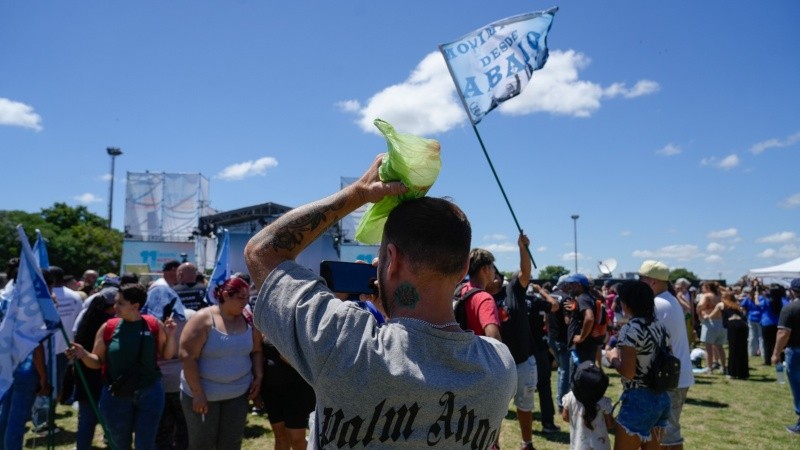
{"x":113,"y":152}
{"x":575,"y":232}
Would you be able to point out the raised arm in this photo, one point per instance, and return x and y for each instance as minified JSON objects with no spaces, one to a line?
{"x":524,"y":260}
{"x":286,"y":237}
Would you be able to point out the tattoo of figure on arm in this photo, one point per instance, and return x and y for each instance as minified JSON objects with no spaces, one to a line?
{"x":406,"y":295}
{"x":293,"y":233}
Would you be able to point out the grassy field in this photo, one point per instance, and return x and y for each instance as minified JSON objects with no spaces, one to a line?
{"x":719,"y":414}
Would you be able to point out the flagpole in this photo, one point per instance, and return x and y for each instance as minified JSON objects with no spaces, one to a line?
{"x":502,"y":191}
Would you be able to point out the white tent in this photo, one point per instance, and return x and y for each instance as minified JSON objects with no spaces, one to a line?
{"x":789,"y":269}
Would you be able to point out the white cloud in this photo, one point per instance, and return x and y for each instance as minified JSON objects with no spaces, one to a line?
{"x":248,"y":169}
{"x":18,"y":114}
{"x":785,"y":252}
{"x":427,"y":102}
{"x":504,"y":247}
{"x":793,"y":201}
{"x":777,"y":238}
{"x":715,"y":248}
{"x":541,"y":249}
{"x":571,"y":256}
{"x":87,"y":198}
{"x":625,"y":233}
{"x":726,"y":163}
{"x":104,"y":177}
{"x":495,"y":237}
{"x":349,"y":105}
{"x":680,"y":252}
{"x":713,"y":259}
{"x":723,"y":234}
{"x":761,"y":147}
{"x":669,"y":150}
{"x":768,"y":253}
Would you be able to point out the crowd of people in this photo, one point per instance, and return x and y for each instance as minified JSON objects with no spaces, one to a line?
{"x":172,"y":369}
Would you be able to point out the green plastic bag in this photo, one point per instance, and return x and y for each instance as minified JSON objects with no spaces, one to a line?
{"x":411,"y":159}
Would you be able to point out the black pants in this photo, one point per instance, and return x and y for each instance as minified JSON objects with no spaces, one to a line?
{"x":172,"y":432}
{"x":737,"y":349}
{"x":543,"y":371}
{"x":770,"y":333}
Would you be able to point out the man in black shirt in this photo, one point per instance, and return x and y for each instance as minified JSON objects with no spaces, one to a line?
{"x":191,"y":293}
{"x":788,"y":341}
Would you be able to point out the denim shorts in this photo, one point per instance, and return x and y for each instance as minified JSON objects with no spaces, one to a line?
{"x":642,"y":409}
{"x":526,"y":384}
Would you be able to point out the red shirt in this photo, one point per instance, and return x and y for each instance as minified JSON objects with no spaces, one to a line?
{"x":481,"y":310}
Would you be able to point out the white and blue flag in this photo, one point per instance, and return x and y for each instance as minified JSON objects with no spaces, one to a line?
{"x":40,"y":251}
{"x":31,"y":315}
{"x":222,"y":269}
{"x":494,"y":63}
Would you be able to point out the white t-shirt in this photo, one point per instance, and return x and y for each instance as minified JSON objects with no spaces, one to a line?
{"x":670,"y":314}
{"x":580,"y":436}
{"x":69,"y":306}
{"x":401,"y":385}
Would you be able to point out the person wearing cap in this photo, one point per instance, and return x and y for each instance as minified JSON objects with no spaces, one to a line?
{"x":751,"y":305}
{"x":579,"y":330}
{"x":670,"y":313}
{"x":191,"y":293}
{"x":788,"y":343}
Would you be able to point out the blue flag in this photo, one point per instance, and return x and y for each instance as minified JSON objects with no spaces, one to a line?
{"x":494,"y":63}
{"x":31,"y":315}
{"x":40,"y":251}
{"x":222,"y":269}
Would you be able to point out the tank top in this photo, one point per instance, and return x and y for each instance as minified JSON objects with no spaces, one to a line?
{"x":224,"y":364}
{"x":123,"y":348}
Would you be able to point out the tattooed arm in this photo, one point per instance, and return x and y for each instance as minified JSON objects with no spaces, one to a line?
{"x":286,"y":237}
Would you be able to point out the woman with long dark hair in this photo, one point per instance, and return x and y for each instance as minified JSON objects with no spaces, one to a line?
{"x":734,"y":319}
{"x":97,"y":313}
{"x":771,"y":306}
{"x":643,"y":412}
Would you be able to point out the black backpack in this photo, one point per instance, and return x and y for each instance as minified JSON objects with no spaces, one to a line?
{"x":665,"y":371}
{"x":460,"y":304}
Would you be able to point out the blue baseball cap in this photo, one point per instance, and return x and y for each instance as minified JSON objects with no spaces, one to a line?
{"x":578,"y":278}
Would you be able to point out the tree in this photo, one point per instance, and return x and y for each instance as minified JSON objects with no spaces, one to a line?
{"x":552,"y":272}
{"x":680,"y":272}
{"x":76,"y":238}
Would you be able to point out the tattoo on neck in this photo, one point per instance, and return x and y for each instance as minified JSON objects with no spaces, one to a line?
{"x":293,"y":233}
{"x":406,"y":295}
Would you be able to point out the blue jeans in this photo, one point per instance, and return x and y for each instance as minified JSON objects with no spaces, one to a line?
{"x":87,"y":422}
{"x":137,"y":415}
{"x":642,"y":409}
{"x":561,"y":352}
{"x":754,"y":338}
{"x":16,"y":408}
{"x":792,"y":363}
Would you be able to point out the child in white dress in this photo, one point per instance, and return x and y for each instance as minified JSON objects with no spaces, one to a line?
{"x":588,"y":426}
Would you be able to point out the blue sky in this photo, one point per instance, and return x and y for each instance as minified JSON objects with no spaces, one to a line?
{"x":671,"y":128}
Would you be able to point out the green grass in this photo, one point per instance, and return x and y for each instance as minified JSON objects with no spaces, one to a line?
{"x":719,"y":414}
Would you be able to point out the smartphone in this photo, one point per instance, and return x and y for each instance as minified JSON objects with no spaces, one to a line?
{"x":349,"y":277}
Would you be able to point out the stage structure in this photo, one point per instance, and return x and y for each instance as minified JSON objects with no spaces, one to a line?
{"x":244,"y":223}
{"x":162,"y":212}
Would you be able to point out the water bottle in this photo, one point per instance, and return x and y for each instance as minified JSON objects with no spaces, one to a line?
{"x":779,"y":373}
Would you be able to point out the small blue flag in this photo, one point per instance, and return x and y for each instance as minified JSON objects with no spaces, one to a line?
{"x":31,"y":315}
{"x":222,"y":269}
{"x":494,"y":63}
{"x":40,"y":251}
